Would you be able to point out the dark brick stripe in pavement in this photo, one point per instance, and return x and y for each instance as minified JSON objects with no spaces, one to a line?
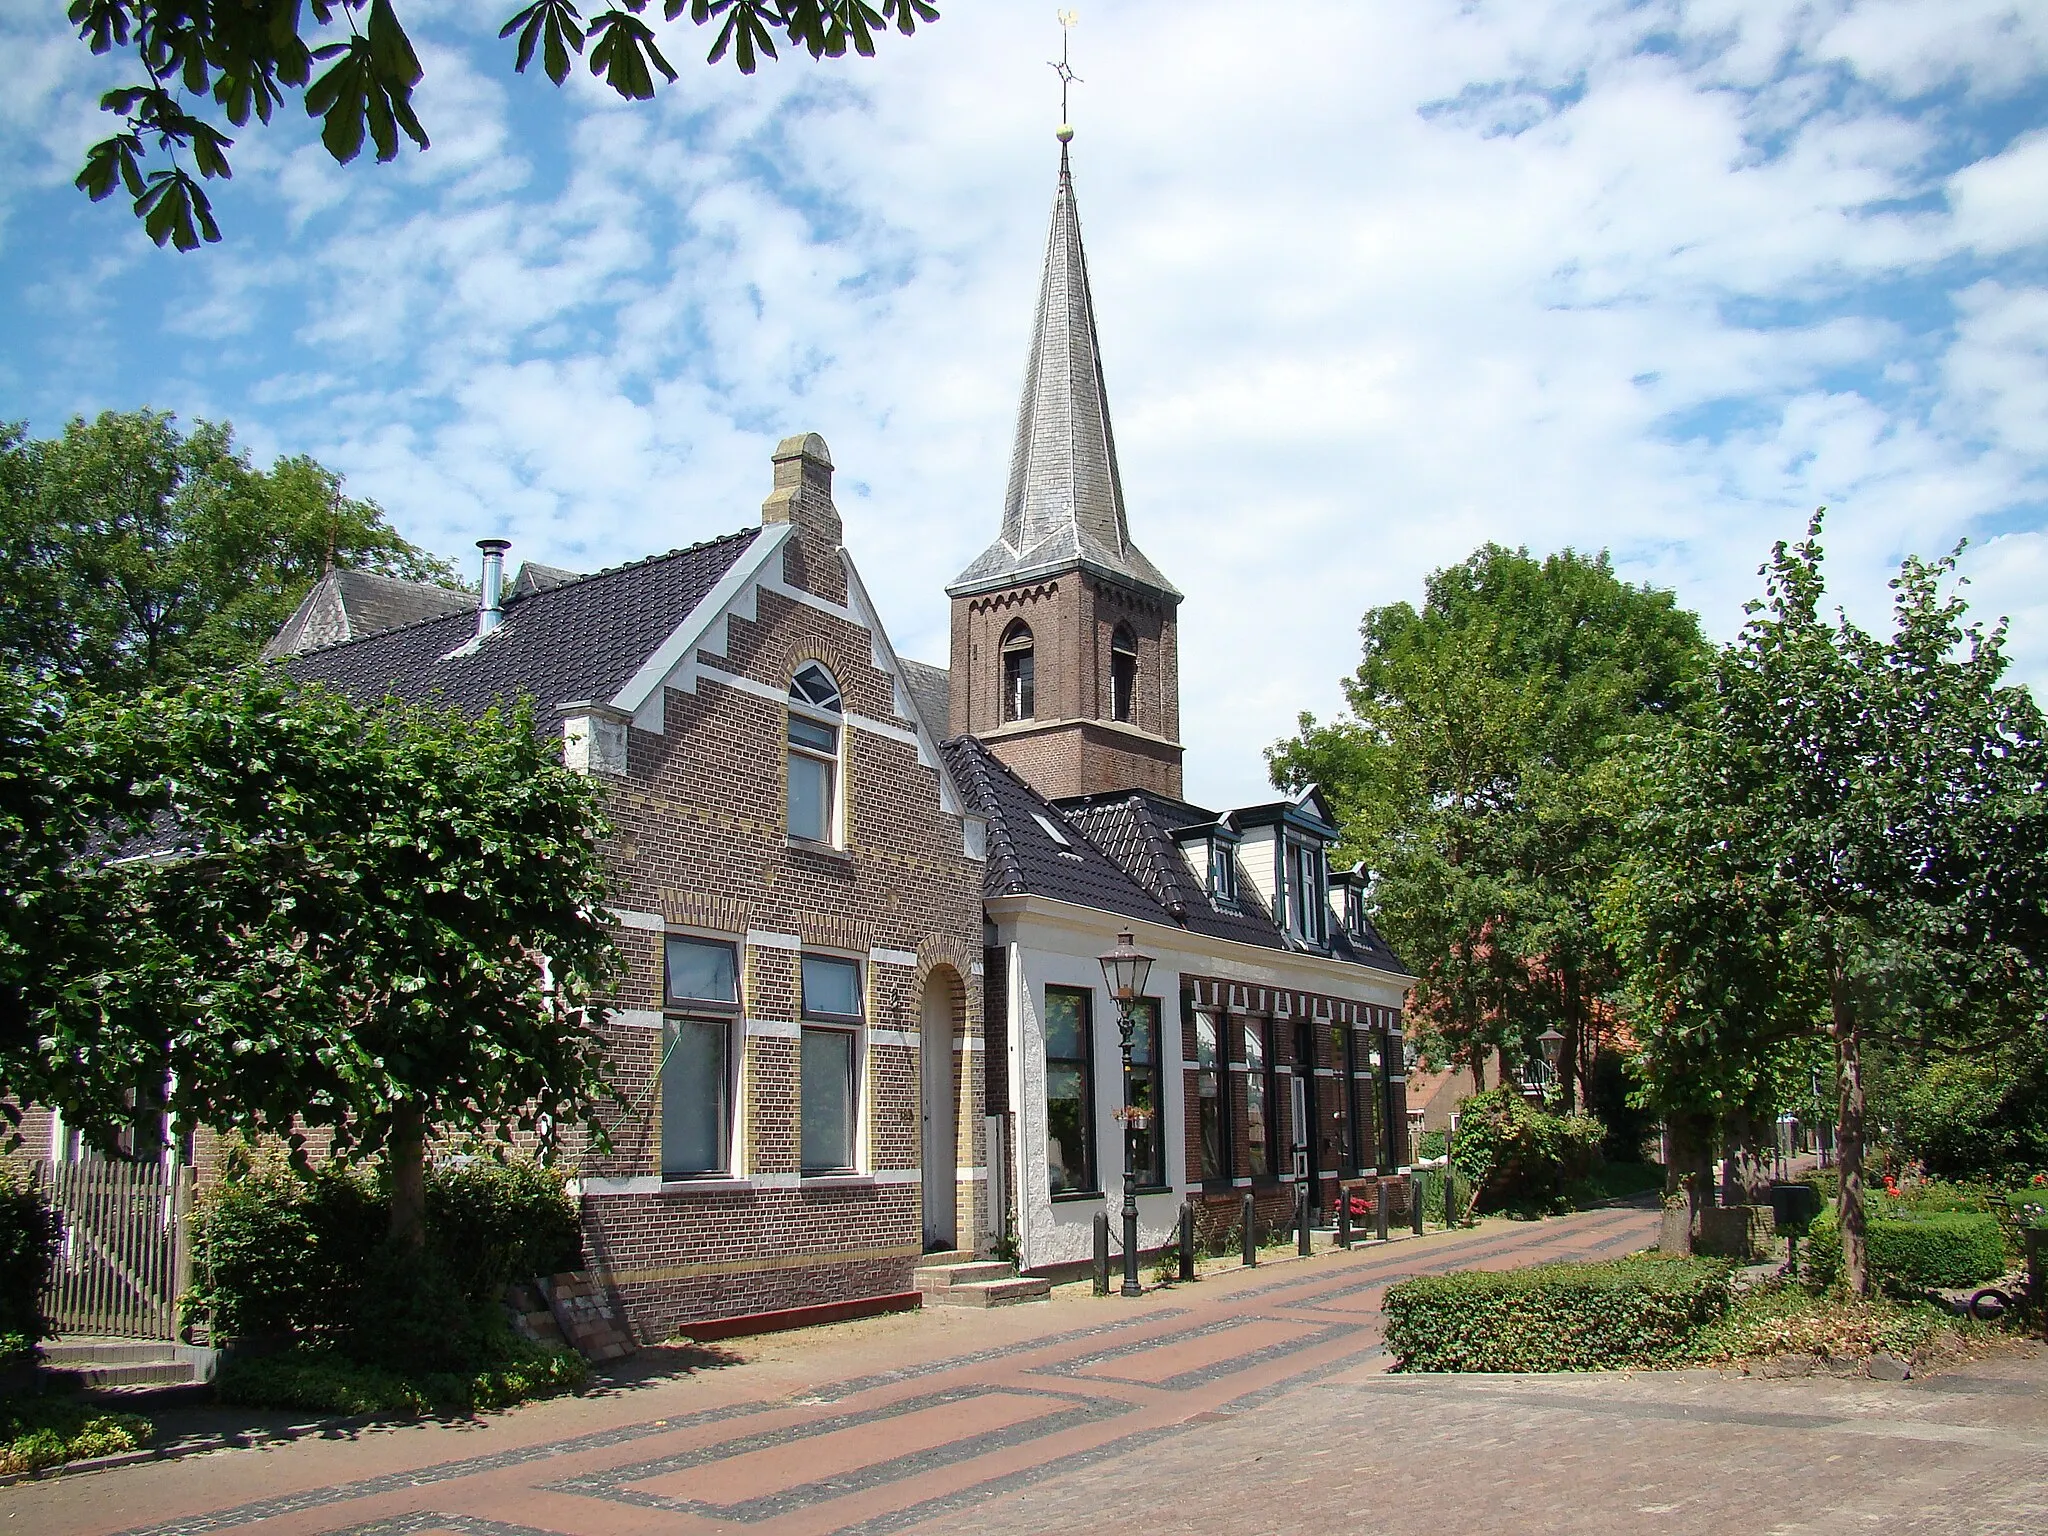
{"x":928,"y":1482}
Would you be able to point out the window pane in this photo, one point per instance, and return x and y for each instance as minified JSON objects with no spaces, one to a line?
{"x":1205,"y":1040}
{"x":814,"y":685}
{"x":831,"y":986}
{"x":1214,"y":1165}
{"x":810,"y":798}
{"x":1066,"y":1127}
{"x":1066,"y":1024}
{"x":1254,"y":1048}
{"x":827,"y":1100}
{"x":1144,"y":1038}
{"x":809,"y":733}
{"x":1255,"y":1119}
{"x":694,"y":1097}
{"x":701,"y":970}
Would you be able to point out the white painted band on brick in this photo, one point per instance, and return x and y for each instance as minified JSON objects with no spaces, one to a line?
{"x":878,"y":728}
{"x":907,"y":1038}
{"x":967,"y":1043}
{"x":1327,"y":1072}
{"x":777,"y":1181}
{"x":902,"y":957}
{"x":772,"y":1029}
{"x":652,"y":922}
{"x":1242,"y":1183}
{"x":897,"y":1176}
{"x":969,"y":1175}
{"x":974,"y":969}
{"x":1192,"y":1066}
{"x":634,"y":1018}
{"x":743,"y":684}
{"x":761,"y":938}
{"x":650,"y":1184}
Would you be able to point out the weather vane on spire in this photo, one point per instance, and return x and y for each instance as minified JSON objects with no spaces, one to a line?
{"x":1067,"y":76}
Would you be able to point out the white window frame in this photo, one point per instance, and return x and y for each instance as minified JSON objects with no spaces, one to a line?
{"x":834,"y":760}
{"x":677,"y":1010}
{"x":855,"y":1028}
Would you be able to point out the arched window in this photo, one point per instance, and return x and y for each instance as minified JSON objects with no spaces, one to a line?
{"x":1019,"y":681}
{"x":814,"y":723}
{"x":1123,"y":674}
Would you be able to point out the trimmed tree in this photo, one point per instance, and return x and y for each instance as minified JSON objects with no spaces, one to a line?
{"x":386,"y":925}
{"x":1849,"y":842}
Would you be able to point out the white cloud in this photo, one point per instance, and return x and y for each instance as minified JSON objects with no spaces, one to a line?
{"x":1657,"y":277}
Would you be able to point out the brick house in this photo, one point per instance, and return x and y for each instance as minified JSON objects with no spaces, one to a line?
{"x":796,"y":878}
{"x":1271,"y":1051}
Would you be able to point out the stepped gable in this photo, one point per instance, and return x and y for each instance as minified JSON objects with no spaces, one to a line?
{"x":581,"y":639}
{"x":347,"y":605}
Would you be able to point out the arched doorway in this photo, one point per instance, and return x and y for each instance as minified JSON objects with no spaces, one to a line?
{"x":938,"y":1036}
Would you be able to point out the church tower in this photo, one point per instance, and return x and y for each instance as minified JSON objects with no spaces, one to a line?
{"x":1064,"y":655}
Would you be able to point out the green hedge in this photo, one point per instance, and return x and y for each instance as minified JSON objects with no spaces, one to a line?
{"x":29,"y":1234}
{"x":1910,"y":1254}
{"x":319,"y":1378}
{"x":1554,"y":1317}
{"x":38,"y":1433}
{"x":1517,"y":1157}
{"x":279,"y":1253}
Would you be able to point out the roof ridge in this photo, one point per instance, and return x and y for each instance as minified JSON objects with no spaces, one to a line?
{"x":522,"y":601}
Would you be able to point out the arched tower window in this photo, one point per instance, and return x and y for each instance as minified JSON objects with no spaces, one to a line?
{"x":1019,"y":673}
{"x":1123,"y":674}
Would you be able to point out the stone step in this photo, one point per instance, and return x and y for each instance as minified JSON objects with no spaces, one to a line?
{"x":939,"y":1277}
{"x":164,"y":1373}
{"x":990,"y":1293}
{"x":76,"y":1352}
{"x":948,"y":1256}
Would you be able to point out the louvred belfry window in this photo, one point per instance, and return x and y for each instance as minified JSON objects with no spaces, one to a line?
{"x":1020,"y":685}
{"x":1123,"y":675}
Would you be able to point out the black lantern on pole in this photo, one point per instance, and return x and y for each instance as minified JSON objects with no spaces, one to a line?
{"x":1550,"y":1042}
{"x":1125,"y":970}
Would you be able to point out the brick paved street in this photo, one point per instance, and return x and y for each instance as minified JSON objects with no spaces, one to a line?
{"x":1251,"y":1402}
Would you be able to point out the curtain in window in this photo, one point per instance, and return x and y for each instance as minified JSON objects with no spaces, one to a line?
{"x":695,"y":1097}
{"x":827,"y":1068}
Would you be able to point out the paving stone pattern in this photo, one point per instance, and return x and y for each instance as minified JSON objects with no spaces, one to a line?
{"x":1254,"y":1401}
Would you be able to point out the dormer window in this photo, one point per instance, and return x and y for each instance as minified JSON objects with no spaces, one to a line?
{"x":814,"y":725}
{"x":1019,"y":673}
{"x":1223,"y":871}
{"x":1123,"y":674}
{"x":1308,"y":900}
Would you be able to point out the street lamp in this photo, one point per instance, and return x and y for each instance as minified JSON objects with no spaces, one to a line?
{"x":1125,"y":970}
{"x":1551,"y":1043}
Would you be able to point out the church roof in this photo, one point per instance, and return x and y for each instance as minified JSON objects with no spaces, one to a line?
{"x":1065,"y":504}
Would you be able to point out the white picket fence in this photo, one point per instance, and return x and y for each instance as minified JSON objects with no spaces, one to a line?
{"x":126,"y":1253}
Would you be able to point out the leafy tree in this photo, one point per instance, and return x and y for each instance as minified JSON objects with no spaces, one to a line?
{"x":1467,"y":779}
{"x":131,"y":553}
{"x":382,"y":925}
{"x":1848,"y":843}
{"x":352,"y":65}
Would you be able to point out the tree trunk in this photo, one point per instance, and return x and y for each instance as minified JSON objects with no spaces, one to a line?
{"x":408,"y":1154}
{"x":1849,"y":1133}
{"x":1479,"y":1069}
{"x":1691,"y":1171}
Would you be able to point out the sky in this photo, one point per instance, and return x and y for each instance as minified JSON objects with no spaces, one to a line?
{"x":1376,"y":283}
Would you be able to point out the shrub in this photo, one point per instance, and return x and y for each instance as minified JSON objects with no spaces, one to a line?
{"x":1432,"y":1144}
{"x":1938,"y":1250}
{"x":1791,"y":1320}
{"x":1977,"y":1119}
{"x":29,"y":1234}
{"x":37,"y":1433}
{"x":1517,"y":1157}
{"x":1554,"y":1317}
{"x":279,"y":1252}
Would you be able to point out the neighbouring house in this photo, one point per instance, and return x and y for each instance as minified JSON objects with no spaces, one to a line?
{"x":1270,"y":1052}
{"x":797,"y":878}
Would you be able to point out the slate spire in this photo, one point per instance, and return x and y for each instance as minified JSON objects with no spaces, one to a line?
{"x":1065,"y":503}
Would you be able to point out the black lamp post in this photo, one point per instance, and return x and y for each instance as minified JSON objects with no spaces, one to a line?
{"x":1125,"y":970}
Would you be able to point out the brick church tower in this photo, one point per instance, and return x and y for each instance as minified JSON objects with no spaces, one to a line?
{"x":1064,"y":657}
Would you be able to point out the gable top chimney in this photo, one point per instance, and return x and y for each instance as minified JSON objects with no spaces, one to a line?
{"x":803,"y":489}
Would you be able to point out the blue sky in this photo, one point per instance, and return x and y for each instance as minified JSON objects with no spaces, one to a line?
{"x":1658,"y":278}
